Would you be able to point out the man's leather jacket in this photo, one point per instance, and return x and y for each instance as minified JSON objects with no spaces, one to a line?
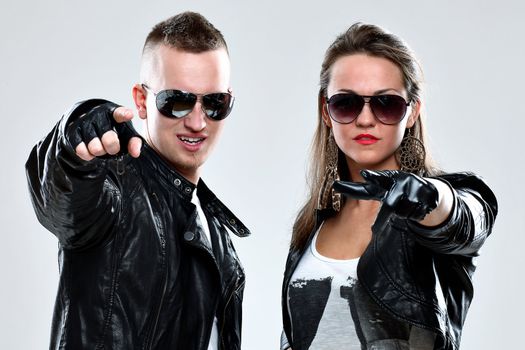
{"x":420,"y":274}
{"x":136,"y":270}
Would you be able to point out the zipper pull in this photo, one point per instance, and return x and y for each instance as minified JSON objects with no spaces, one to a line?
{"x":121,"y":169}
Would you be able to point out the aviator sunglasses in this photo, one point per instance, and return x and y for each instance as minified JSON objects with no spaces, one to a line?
{"x":344,"y":108}
{"x":178,"y":104}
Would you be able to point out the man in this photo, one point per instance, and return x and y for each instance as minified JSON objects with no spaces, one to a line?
{"x":145,"y":257}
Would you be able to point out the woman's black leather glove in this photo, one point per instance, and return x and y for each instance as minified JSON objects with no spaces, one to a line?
{"x":408,"y":195}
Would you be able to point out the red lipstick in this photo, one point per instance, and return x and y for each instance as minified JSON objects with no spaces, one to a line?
{"x":365,"y":139}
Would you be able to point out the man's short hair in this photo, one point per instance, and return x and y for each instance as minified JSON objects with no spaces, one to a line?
{"x":187,"y":31}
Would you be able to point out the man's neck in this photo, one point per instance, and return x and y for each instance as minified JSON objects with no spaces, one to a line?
{"x":192,"y":175}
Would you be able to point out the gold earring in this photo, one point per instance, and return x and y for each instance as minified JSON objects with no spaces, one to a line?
{"x":411,"y":154}
{"x":331,"y":175}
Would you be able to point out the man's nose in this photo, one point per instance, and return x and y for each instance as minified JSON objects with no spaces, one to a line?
{"x":196,"y":119}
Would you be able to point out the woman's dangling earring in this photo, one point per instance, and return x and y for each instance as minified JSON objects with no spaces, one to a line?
{"x":411,"y":154}
{"x":331,"y":175}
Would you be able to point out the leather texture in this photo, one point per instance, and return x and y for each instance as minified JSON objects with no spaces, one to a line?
{"x":93,"y":124}
{"x":422,"y":275}
{"x":407,"y":195}
{"x":136,"y":270}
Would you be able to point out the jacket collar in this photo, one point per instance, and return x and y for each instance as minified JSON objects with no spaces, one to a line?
{"x":180,"y":184}
{"x":165,"y":172}
{"x":212,"y":204}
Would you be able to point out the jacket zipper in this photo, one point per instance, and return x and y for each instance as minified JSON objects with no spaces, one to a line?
{"x":210,"y":253}
{"x":120,"y":166}
{"x":206,"y":249}
{"x":165,"y":284}
{"x":296,"y":262}
{"x":158,"y":310}
{"x":235,"y":289}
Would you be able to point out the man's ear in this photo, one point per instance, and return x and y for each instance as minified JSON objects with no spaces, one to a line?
{"x":139,"y":97}
{"x":414,"y":114}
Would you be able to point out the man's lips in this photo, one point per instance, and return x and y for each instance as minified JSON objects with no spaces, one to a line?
{"x":365,"y":139}
{"x":192,"y":142}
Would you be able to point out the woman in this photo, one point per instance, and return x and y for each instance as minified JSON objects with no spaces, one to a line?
{"x":389,"y":264}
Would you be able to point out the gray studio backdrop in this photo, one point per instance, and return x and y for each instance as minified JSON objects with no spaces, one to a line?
{"x":54,"y":53}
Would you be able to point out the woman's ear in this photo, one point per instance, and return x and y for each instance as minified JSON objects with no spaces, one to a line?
{"x":324,"y":112}
{"x":414,"y":113}
{"x":139,"y":97}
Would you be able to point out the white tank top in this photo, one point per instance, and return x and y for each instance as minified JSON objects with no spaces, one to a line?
{"x":330,"y":309}
{"x":214,"y":337}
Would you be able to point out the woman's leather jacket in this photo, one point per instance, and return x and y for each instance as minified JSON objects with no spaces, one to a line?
{"x":136,"y":271}
{"x":420,"y":274}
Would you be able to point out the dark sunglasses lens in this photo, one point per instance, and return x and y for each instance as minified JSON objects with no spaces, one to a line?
{"x":175,"y":103}
{"x":389,"y":109}
{"x":344,"y":108}
{"x":217,"y":106}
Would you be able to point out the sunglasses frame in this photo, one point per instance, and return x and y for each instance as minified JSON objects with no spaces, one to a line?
{"x":198,"y":98}
{"x":366,"y":99}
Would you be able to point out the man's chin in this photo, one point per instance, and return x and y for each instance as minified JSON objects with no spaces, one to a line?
{"x":187,"y":167}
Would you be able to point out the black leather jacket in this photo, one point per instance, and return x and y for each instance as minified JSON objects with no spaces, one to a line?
{"x":136,"y":271}
{"x":419,"y":274}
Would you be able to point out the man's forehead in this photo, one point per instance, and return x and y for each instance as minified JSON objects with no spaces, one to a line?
{"x":170,"y":67}
{"x":156,"y":56}
{"x":161,"y":52}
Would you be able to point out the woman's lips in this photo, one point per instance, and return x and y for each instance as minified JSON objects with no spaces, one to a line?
{"x":365,"y":139}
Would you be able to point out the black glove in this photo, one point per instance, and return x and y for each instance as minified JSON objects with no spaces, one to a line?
{"x":408,"y":195}
{"x":93,"y":124}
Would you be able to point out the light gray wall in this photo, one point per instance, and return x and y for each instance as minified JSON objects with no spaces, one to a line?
{"x":54,"y":53}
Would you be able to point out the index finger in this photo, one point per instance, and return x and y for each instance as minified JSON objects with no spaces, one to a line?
{"x":359,"y":190}
{"x":122,"y":114}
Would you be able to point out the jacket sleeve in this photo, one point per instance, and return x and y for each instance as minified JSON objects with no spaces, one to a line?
{"x":76,"y":200}
{"x":470,"y":221}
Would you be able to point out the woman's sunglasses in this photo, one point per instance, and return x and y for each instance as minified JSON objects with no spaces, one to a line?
{"x":345,"y":108}
{"x":178,"y":104}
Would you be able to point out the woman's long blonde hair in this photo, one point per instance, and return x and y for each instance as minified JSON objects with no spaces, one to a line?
{"x":358,"y":39}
